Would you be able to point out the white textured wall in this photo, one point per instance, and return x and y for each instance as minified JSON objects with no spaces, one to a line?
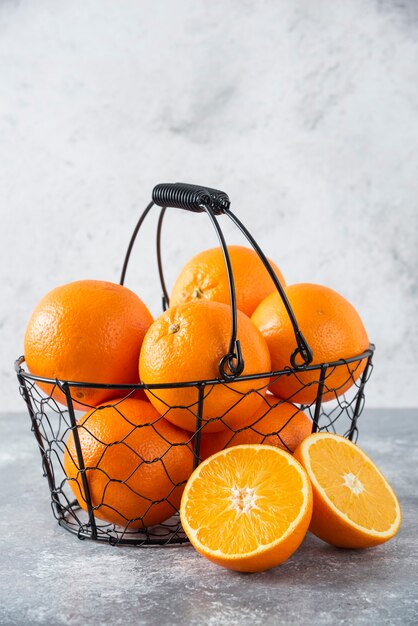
{"x":306,"y":113}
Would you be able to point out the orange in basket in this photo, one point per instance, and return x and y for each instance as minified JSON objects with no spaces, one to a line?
{"x":276,"y":423}
{"x":205,"y":277}
{"x":186,"y":343}
{"x":136,"y":463}
{"x":89,"y":331}
{"x":331,"y":326}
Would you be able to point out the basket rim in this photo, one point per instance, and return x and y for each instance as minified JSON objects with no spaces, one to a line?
{"x":20,"y":371}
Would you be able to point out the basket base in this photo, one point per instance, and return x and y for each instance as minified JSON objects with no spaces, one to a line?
{"x":75,"y":520}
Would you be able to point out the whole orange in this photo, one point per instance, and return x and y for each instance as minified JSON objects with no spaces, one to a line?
{"x":333,"y":330}
{"x":87,"y":331}
{"x":205,"y":277}
{"x":186,"y":343}
{"x":136,"y":463}
{"x":275,"y":423}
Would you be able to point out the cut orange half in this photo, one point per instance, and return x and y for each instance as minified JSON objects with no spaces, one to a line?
{"x":247,"y":508}
{"x":353,"y":504}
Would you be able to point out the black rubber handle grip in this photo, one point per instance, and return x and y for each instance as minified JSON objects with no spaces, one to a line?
{"x":190,"y":197}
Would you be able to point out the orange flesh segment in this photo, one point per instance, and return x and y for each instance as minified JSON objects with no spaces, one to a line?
{"x":245,"y":501}
{"x":353,"y":485}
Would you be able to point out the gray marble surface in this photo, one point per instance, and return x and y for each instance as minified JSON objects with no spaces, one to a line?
{"x":48,"y":577}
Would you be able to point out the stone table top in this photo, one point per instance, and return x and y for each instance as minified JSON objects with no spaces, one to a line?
{"x":51,"y":577}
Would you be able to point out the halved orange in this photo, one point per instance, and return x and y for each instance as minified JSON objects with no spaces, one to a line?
{"x":247,"y":508}
{"x":353,"y":504}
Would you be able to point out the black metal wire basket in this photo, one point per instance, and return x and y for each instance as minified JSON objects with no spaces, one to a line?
{"x":143,"y":518}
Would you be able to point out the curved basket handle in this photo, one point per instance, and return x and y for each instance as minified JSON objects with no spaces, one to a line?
{"x":303,"y":350}
{"x":190,"y":197}
{"x":199,"y":199}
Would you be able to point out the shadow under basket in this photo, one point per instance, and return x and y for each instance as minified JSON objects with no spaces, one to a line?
{"x":83,"y":499}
